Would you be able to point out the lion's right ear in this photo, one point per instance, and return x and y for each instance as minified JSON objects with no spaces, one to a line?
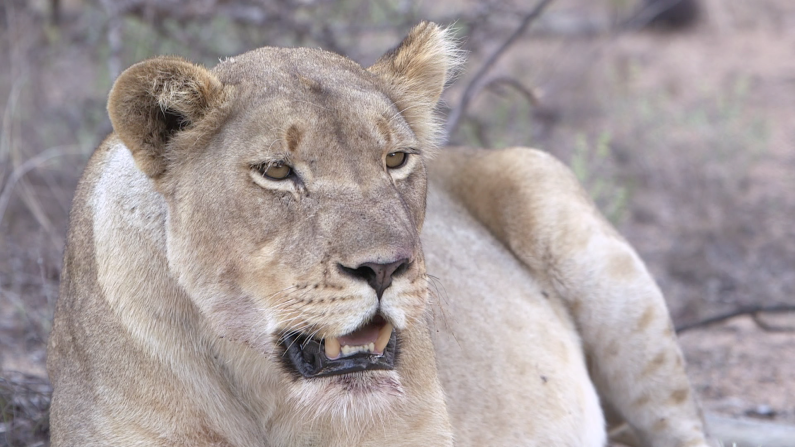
{"x":152,"y":101}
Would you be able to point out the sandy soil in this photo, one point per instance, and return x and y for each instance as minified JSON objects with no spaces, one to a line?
{"x":738,"y":369}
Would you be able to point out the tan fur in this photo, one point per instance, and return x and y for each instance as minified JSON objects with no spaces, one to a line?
{"x":184,"y":266}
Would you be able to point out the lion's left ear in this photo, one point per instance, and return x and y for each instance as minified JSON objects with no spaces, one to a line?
{"x":416,"y":73}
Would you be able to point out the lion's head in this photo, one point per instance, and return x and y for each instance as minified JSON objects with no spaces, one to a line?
{"x":295,"y":184}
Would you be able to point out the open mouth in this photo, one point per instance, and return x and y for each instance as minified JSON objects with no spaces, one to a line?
{"x":370,"y":347}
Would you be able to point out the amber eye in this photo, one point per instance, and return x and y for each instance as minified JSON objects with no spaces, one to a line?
{"x":276,"y":170}
{"x":396,"y":159}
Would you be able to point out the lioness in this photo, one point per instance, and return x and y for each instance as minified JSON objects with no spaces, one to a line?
{"x":251,"y":262}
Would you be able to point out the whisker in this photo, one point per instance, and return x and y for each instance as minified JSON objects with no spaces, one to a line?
{"x":437,"y":282}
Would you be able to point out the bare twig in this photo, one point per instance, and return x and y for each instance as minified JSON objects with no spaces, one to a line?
{"x":479,"y":131}
{"x":5,"y":135}
{"x":114,"y":37}
{"x":528,"y":93}
{"x":645,"y":15}
{"x":24,"y":312}
{"x":28,"y":196}
{"x":766,"y":326}
{"x":28,"y":166}
{"x":180,"y":35}
{"x":750,"y":310}
{"x":475,"y":85}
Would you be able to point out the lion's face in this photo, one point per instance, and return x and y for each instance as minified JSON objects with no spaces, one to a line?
{"x":295,"y":183}
{"x":310,"y":198}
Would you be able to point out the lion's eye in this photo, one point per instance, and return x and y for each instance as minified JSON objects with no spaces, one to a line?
{"x":276,"y":171}
{"x":395,"y":160}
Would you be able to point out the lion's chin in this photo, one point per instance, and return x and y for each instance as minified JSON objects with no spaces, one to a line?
{"x":366,"y":396}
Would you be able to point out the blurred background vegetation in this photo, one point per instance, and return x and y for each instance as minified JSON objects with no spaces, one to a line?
{"x":678,"y":121}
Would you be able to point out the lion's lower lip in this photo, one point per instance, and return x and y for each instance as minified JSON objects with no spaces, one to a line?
{"x":307,"y":356}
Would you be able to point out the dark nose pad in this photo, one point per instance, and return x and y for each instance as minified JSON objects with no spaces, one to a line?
{"x":379,"y":276}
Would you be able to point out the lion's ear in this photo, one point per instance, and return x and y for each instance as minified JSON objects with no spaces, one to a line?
{"x":152,"y":101}
{"x":416,"y":72}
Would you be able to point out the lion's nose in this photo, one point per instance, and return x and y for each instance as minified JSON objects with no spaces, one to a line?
{"x":379,"y":276}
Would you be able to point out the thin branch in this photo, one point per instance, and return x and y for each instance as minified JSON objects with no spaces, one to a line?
{"x":6,"y":130}
{"x":28,"y":166}
{"x":645,"y":15}
{"x":114,"y":35}
{"x":475,"y":85}
{"x":479,"y":131}
{"x":750,"y":310}
{"x":26,"y":192}
{"x":767,"y":327}
{"x":528,"y":93}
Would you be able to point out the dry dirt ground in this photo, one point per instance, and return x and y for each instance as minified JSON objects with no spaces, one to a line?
{"x":686,"y":138}
{"x":738,"y":368}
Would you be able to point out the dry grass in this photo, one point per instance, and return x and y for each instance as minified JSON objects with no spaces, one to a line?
{"x":24,"y":406}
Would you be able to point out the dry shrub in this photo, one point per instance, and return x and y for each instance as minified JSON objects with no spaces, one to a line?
{"x":24,"y":410}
